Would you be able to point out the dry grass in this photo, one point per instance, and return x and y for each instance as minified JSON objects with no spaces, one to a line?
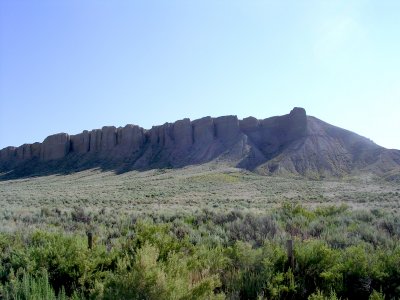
{"x":189,"y":189}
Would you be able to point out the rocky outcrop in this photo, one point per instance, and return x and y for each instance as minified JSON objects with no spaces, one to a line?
{"x":55,"y":147}
{"x":161,"y":136}
{"x":249,"y":125}
{"x":108,"y":138}
{"x":296,"y":124}
{"x":8,"y":154}
{"x":203,"y":130}
{"x":80,"y":143}
{"x":27,"y":152}
{"x":36,"y":149}
{"x":294,"y":143}
{"x":183,"y":134}
{"x":95,"y":140}
{"x":24,"y":152}
{"x":130,"y":137}
{"x":227,"y":129}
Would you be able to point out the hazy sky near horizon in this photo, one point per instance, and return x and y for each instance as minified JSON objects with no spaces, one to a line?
{"x":70,"y":65}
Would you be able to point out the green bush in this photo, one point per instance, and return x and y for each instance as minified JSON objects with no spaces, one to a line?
{"x":147,"y":277}
{"x":28,"y":287}
{"x":339,"y":254}
{"x":317,"y":267}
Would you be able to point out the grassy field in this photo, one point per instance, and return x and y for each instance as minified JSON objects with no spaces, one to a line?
{"x":189,"y":189}
{"x":203,"y":232}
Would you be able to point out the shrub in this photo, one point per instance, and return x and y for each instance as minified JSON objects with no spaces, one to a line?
{"x":28,"y":287}
{"x":146,"y":277}
{"x":316,"y":267}
{"x":79,"y":215}
{"x":376,"y":296}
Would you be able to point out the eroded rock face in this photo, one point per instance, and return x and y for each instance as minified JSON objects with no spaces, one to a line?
{"x":297,"y":123}
{"x":80,"y":143}
{"x":298,"y":112}
{"x":227,"y":128}
{"x":95,"y":140}
{"x":291,"y":143}
{"x":36,"y":149}
{"x":161,"y":136}
{"x":20,"y":152}
{"x":171,"y":144}
{"x":29,"y":151}
{"x":166,"y":131}
{"x":203,"y":130}
{"x":130,"y":137}
{"x":8,"y":153}
{"x":279,"y":131}
{"x":108,"y":138}
{"x":24,"y":152}
{"x":249,"y":124}
{"x":182,"y":133}
{"x":155,"y":135}
{"x":55,"y":146}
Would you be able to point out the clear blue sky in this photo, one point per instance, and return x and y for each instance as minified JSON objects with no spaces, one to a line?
{"x":70,"y":65}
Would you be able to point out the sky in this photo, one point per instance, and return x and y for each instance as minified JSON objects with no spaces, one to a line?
{"x":71,"y":65}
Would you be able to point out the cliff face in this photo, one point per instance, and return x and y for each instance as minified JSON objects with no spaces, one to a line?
{"x":292,"y":143}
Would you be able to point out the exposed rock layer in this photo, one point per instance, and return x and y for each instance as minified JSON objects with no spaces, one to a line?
{"x":55,"y":146}
{"x":289,"y":144}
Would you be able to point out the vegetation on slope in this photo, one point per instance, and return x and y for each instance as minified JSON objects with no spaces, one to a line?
{"x":187,"y":190}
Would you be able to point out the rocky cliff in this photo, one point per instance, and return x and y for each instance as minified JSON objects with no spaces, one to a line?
{"x":290,"y":144}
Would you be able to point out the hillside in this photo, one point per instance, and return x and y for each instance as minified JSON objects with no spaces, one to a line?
{"x":292,"y":144}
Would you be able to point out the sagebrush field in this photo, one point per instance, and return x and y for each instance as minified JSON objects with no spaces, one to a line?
{"x":198,"y":233}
